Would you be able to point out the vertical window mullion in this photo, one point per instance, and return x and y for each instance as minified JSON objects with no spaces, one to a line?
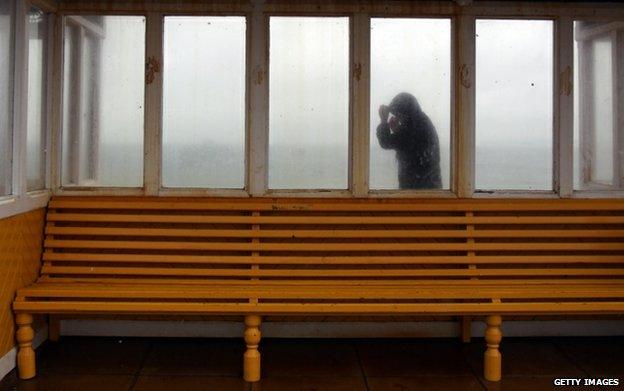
{"x":49,"y":96}
{"x":258,"y":98}
{"x":617,"y":141}
{"x":55,"y":97}
{"x":619,"y":109}
{"x":463,"y":137}
{"x":360,"y":102}
{"x":153,"y":104}
{"x":563,"y":100}
{"x":77,"y":120}
{"x":20,"y":114}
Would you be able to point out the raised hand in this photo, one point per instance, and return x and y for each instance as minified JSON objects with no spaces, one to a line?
{"x":384,"y":112}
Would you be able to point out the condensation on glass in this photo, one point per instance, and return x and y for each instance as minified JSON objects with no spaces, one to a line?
{"x":204,"y":102}
{"x":514,"y":105}
{"x":598,"y":103}
{"x":103,"y":101}
{"x":411,"y":149}
{"x":37,"y":109}
{"x":6,"y":95}
{"x":309,"y":103}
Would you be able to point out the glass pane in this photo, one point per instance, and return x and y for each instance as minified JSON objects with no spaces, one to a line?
{"x":204,"y":102}
{"x":410,"y":104}
{"x":598,"y":151}
{"x":6,"y":95}
{"x":36,"y":129}
{"x":309,"y":103}
{"x":103,"y":113}
{"x":514,"y":67}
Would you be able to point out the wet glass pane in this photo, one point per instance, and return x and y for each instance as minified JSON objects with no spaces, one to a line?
{"x":598,"y":146}
{"x":6,"y":95}
{"x":514,"y":67}
{"x":204,"y":102}
{"x":37,"y":86}
{"x":410,"y":104}
{"x":309,"y":103}
{"x":103,"y":105}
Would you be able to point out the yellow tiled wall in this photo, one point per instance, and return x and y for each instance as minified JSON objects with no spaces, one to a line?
{"x":20,"y":260}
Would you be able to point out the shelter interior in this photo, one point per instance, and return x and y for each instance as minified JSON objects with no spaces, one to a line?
{"x":451,"y":165}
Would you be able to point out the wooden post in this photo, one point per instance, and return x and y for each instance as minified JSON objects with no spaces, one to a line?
{"x":466,"y":328}
{"x":251,"y":363}
{"x":492,"y":359}
{"x":54,"y":328}
{"x":466,"y":321}
{"x":25,"y":354}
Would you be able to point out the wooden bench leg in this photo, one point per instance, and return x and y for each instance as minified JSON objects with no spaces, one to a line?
{"x":54,"y":328}
{"x":466,"y":329}
{"x":251,"y":364}
{"x":492,"y":359}
{"x":25,"y":355}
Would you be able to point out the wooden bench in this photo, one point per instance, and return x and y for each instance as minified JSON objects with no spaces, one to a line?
{"x":259,"y":257}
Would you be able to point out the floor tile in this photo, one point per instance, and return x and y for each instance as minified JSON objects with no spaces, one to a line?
{"x":599,"y":357}
{"x":424,"y":383}
{"x":406,"y":358}
{"x":92,"y":356}
{"x":189,"y":383}
{"x":67,"y":382}
{"x":288,"y":358}
{"x":203,"y":357}
{"x":527,"y":357}
{"x":301,"y":383}
{"x":524,"y":383}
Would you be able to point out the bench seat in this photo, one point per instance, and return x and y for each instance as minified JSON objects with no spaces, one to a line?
{"x":323,"y":299}
{"x":327,"y":257}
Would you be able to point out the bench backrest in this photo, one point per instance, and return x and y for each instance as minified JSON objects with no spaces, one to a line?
{"x":356,"y":241}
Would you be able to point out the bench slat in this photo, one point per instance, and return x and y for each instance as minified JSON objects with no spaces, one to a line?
{"x":364,"y":283}
{"x":185,"y":308}
{"x":334,"y":233}
{"x":332,"y":260}
{"x":374,"y":205}
{"x":334,"y":220}
{"x":323,"y":246}
{"x":194,"y":272}
{"x":268,"y":291}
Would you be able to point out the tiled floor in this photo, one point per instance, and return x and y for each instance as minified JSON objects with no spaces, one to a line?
{"x":95,"y":364}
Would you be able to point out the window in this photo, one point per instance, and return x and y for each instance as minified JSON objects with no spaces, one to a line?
{"x":514,"y":106}
{"x":309,"y":103}
{"x":103,"y":101}
{"x":412,"y":56}
{"x":204,"y":102}
{"x":598,"y":121}
{"x":37,"y":110}
{"x":270,"y":103}
{"x":6,"y":96}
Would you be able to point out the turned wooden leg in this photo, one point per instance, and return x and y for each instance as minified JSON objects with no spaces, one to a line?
{"x":466,"y":329}
{"x":492,"y":359}
{"x":54,"y":328}
{"x":251,"y":364}
{"x":25,"y":354}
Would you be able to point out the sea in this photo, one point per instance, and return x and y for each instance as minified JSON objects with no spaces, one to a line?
{"x":316,"y":167}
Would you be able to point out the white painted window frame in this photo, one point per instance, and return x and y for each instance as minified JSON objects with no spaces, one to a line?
{"x":615,"y":33}
{"x":21,"y":200}
{"x":258,"y":12}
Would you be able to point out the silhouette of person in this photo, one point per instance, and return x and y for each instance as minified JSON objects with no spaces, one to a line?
{"x":407,"y":129}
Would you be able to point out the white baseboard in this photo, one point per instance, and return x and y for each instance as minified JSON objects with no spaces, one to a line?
{"x":9,"y":360}
{"x":126,"y":328}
